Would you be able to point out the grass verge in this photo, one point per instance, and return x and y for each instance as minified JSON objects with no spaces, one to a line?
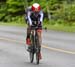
{"x":64,"y":28}
{"x":12,"y":24}
{"x":56,"y":27}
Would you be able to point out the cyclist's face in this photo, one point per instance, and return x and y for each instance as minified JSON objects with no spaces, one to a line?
{"x":36,"y":10}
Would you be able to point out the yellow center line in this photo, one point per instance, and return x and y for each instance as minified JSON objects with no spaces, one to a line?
{"x":50,"y":48}
{"x":59,"y":50}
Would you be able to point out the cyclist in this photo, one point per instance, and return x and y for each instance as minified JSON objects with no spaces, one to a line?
{"x":34,"y":13}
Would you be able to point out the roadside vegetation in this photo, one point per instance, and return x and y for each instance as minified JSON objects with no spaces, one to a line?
{"x":58,"y":14}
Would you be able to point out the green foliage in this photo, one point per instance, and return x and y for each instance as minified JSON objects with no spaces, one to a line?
{"x":62,"y":11}
{"x":70,"y":13}
{"x":14,"y":6}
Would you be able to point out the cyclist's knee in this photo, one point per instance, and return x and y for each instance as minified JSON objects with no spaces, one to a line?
{"x":28,"y":30}
{"x":39,"y":34}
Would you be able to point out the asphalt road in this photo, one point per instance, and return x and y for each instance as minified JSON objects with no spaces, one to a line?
{"x":58,"y":48}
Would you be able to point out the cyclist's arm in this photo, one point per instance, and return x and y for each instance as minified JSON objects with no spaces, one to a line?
{"x":41,"y":18}
{"x":29,"y":19}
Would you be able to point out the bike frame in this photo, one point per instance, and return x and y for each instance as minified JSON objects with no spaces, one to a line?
{"x":34,"y":36}
{"x":34,"y":45}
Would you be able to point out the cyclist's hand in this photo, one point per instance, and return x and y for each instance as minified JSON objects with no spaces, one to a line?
{"x":29,"y":24}
{"x":39,"y":23}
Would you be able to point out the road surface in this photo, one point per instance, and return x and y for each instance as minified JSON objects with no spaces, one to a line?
{"x":58,"y":48}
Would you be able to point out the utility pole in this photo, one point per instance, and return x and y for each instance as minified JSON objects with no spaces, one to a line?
{"x":25,"y":8}
{"x":48,"y":11}
{"x":25,"y":4}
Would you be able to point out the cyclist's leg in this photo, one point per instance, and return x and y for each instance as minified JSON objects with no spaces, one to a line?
{"x":39,"y":32}
{"x":28,"y":41}
{"x":28,"y":36}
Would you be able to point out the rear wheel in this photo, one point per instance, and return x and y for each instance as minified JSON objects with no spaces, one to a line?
{"x":37,"y":58}
{"x":31,"y":57}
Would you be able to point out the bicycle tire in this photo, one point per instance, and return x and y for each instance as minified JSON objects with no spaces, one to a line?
{"x":37,"y":58}
{"x":31,"y":57}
